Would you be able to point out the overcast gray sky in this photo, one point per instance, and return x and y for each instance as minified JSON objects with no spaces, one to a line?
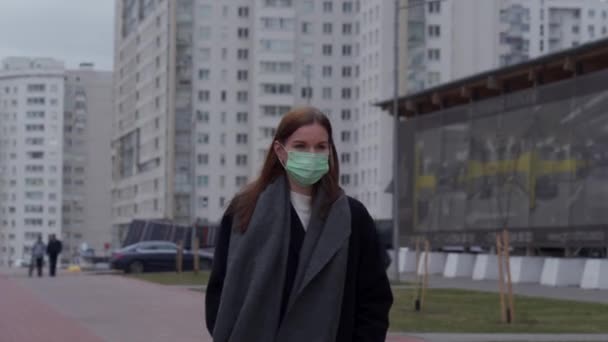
{"x":74,"y":31}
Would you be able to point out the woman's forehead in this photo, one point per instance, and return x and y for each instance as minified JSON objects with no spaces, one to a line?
{"x":313,"y":133}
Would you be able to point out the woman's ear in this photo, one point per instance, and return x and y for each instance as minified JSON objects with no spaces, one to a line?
{"x":280,"y":152}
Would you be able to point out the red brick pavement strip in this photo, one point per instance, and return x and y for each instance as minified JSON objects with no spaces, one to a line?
{"x":23,"y":318}
{"x":113,"y":307}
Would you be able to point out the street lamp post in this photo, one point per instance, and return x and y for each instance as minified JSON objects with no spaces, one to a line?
{"x":396,"y":144}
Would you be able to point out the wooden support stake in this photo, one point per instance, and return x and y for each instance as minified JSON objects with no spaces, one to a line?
{"x":196,"y":259}
{"x":507,"y":256}
{"x":179,"y":257}
{"x":417,"y":305}
{"x":425,"y":282}
{"x":503,"y":313}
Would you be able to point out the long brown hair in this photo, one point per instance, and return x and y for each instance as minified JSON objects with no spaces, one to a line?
{"x":243,"y":204}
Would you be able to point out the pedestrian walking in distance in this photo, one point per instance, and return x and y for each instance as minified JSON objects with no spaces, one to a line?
{"x":38,"y":250}
{"x":296,"y":260}
{"x":53,"y":250}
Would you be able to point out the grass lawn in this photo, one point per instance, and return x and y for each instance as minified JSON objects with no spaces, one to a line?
{"x":463,"y":311}
{"x":173,"y":278}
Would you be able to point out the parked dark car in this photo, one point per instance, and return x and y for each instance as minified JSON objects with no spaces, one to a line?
{"x":155,"y":256}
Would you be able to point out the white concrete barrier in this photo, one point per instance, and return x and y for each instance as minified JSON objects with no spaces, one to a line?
{"x":595,"y":274}
{"x":407,"y":260}
{"x":526,"y":269}
{"x":486,"y":267}
{"x":459,"y":265}
{"x":436,"y":262}
{"x":562,"y":272}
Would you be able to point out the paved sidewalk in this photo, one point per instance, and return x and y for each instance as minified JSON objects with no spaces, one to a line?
{"x":26,"y":318}
{"x":79,"y":307}
{"x":105,"y":308}
{"x":118,"y":309}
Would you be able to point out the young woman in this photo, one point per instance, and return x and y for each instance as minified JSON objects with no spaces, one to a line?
{"x":296,"y":260}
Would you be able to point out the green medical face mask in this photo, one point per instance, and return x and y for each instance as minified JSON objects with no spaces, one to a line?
{"x":306,"y":168}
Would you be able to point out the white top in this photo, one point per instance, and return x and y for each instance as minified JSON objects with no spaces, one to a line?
{"x":302,"y":205}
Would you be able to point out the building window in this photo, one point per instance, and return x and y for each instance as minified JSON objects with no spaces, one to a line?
{"x":346,"y":114}
{"x":346,"y":71}
{"x":345,"y":158}
{"x":203,"y":202}
{"x":204,"y":95}
{"x":306,"y":27}
{"x":243,"y":32}
{"x":241,"y":160}
{"x":306,"y":93}
{"x":274,"y":110}
{"x":346,"y":93}
{"x":274,"y":88}
{"x":35,"y":115}
{"x":242,"y":96}
{"x":327,"y":49}
{"x":242,"y":75}
{"x":326,"y":93}
{"x":35,"y":100}
{"x":345,"y":179}
{"x":223,"y":96}
{"x":202,"y":181}
{"x":347,"y":7}
{"x":278,"y":3}
{"x":575,"y":29}
{"x":434,"y":54}
{"x":347,"y":29}
{"x":241,"y":138}
{"x":202,"y":116}
{"x":243,"y":12}
{"x":327,"y":6}
{"x":242,"y":54}
{"x":35,"y":88}
{"x":241,"y":117}
{"x":276,"y":67}
{"x":434,"y":78}
{"x":326,"y":71}
{"x":240,"y":181}
{"x":327,"y":28}
{"x":202,"y":159}
{"x":434,"y":6}
{"x":345,"y":135}
{"x":205,"y":33}
{"x":278,"y":24}
{"x":203,"y":74}
{"x":276,"y":45}
{"x":347,"y":50}
{"x":434,"y":30}
{"x":203,"y":138}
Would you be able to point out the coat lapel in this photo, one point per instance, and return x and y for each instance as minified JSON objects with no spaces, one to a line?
{"x":323,"y":240}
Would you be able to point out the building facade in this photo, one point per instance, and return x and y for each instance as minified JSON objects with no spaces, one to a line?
{"x":31,"y":153}
{"x":452,"y":39}
{"x":54,"y":156}
{"x":201,"y":85}
{"x":87,"y":163}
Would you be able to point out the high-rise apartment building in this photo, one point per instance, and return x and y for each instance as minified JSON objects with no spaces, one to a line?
{"x":452,"y":39}
{"x":87,"y":166}
{"x":37,"y":143}
{"x":31,"y":153}
{"x":201,"y":85}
